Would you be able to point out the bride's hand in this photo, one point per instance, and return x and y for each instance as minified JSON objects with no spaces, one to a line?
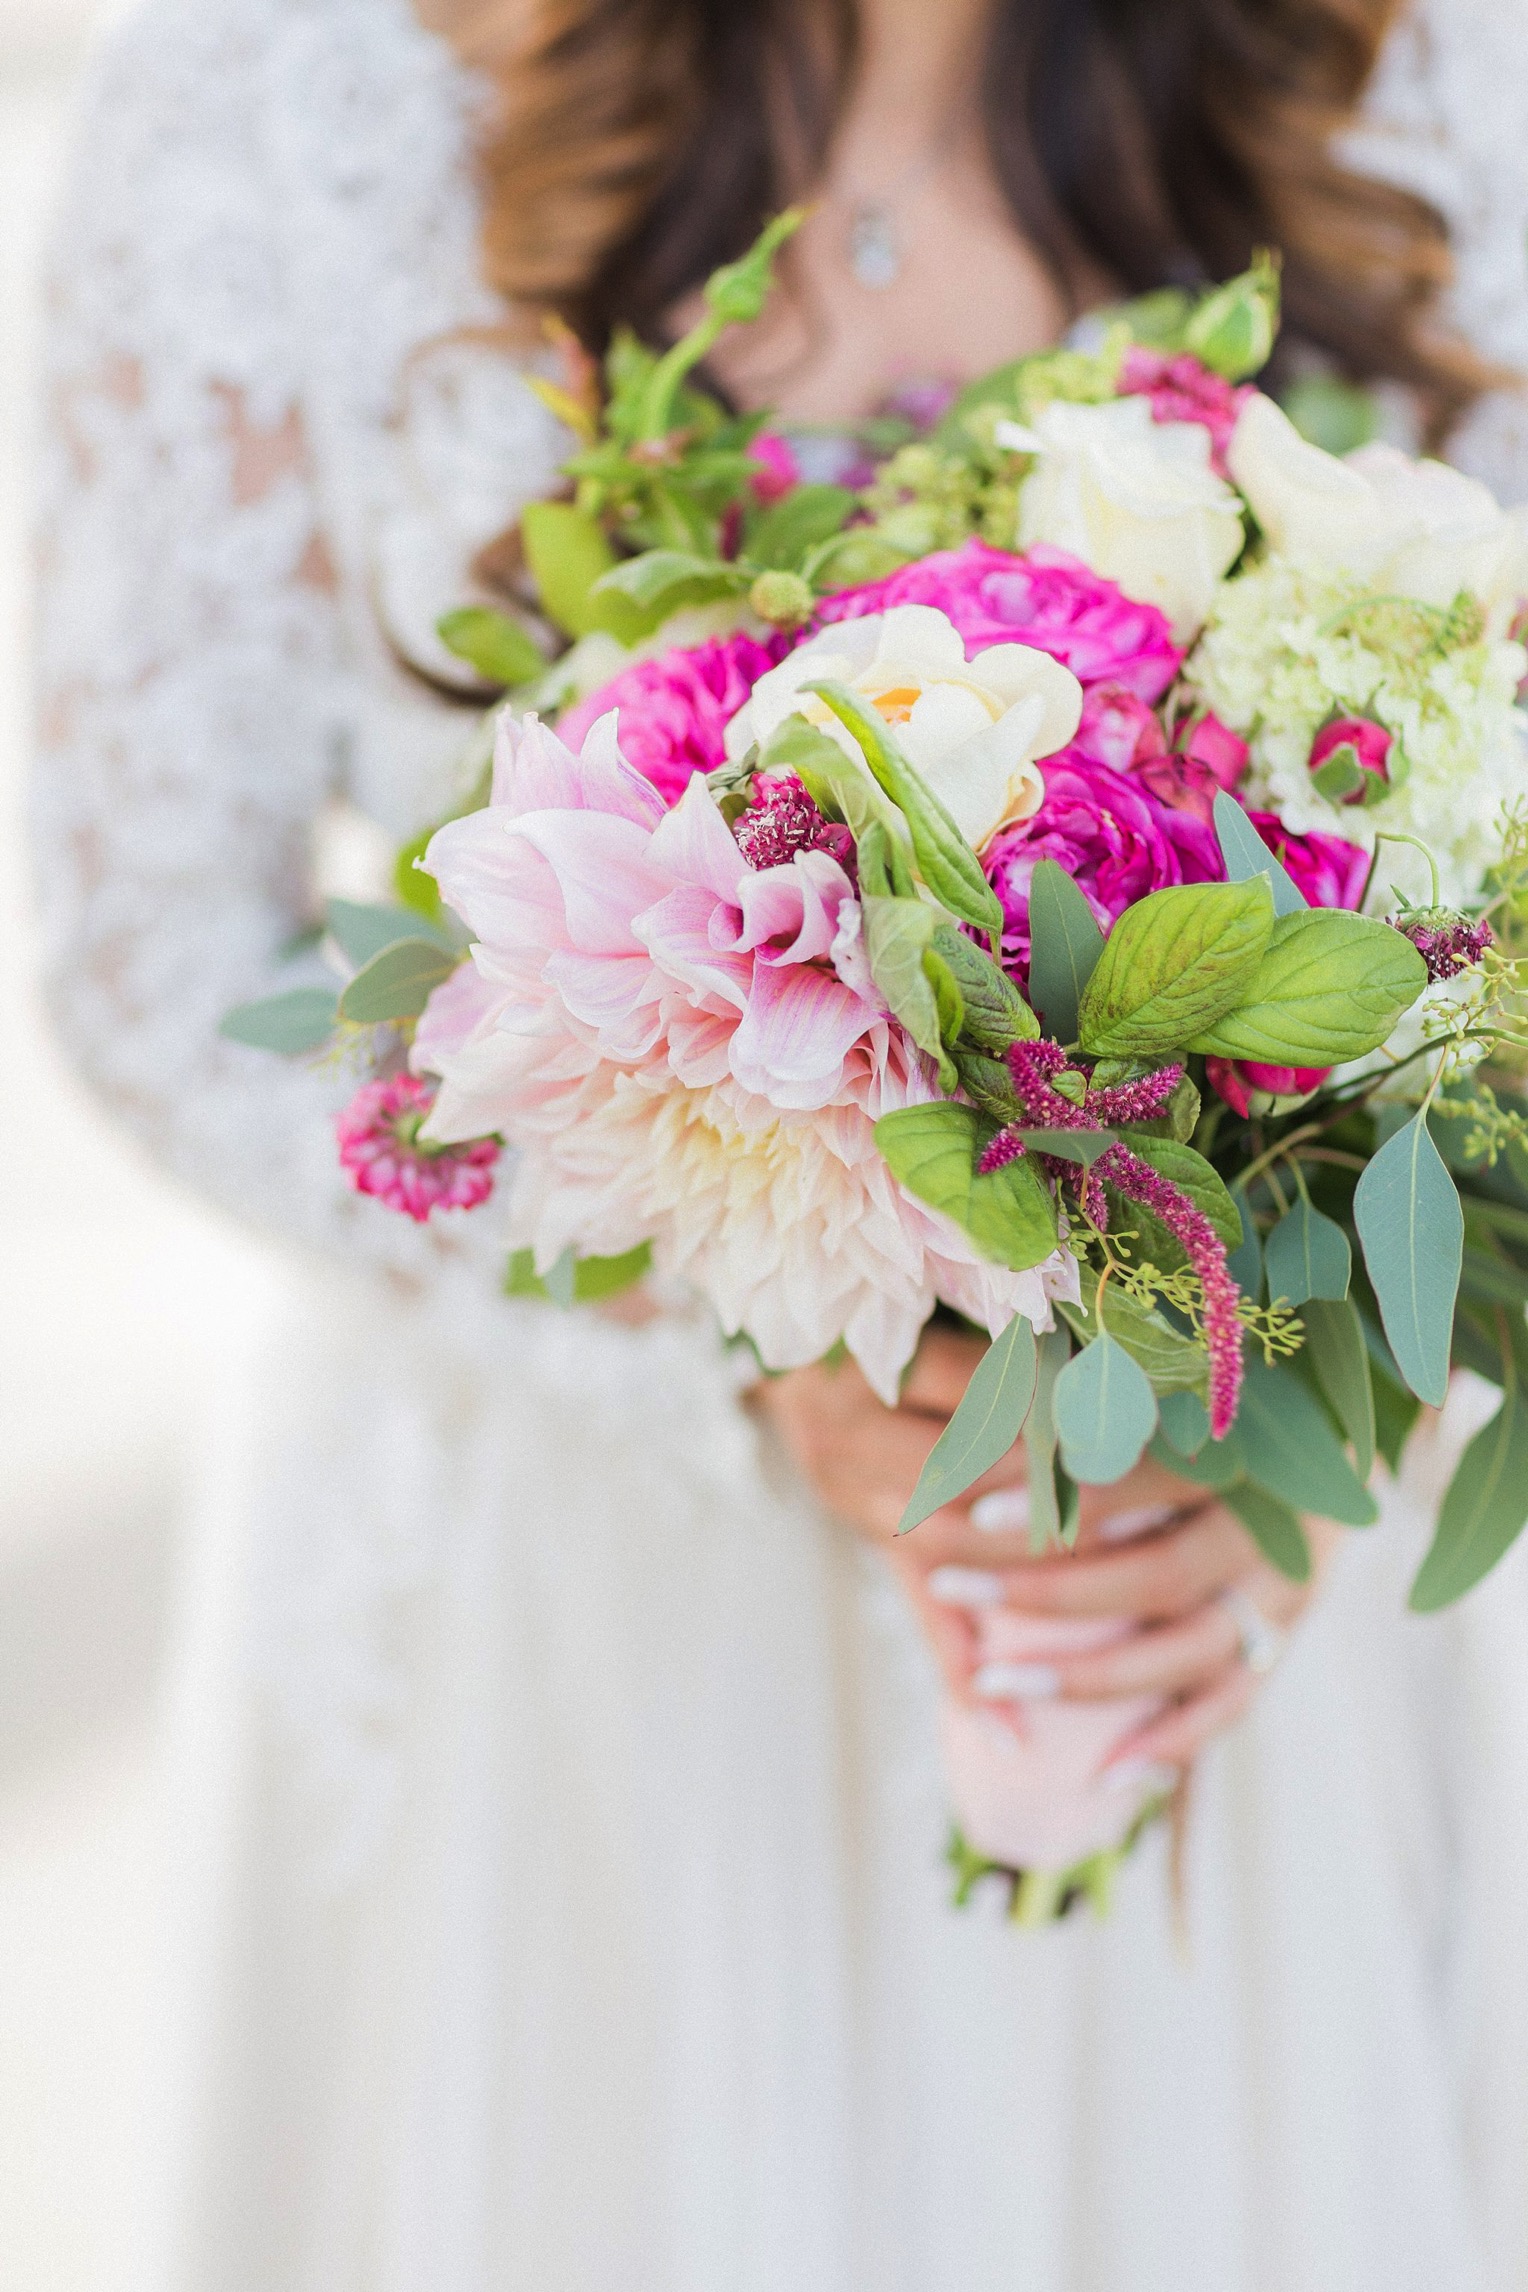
{"x":1185,"y":1553}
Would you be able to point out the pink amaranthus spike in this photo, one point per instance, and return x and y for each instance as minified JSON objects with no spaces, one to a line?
{"x":1035,"y":1067}
{"x":380,"y":1152}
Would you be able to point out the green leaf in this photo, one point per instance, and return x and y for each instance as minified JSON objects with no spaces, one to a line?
{"x":361,"y":931}
{"x":933,"y":1150}
{"x":1064,"y":946}
{"x":1291,"y":1448}
{"x":1052,"y":1519}
{"x":1219,"y":1464}
{"x":1172,"y":1362}
{"x":946,"y":862}
{"x":803,"y":520}
{"x":1273,"y":1527}
{"x":1411,"y":1226}
{"x":497,"y":647}
{"x":415,"y":889}
{"x":1246,"y":855}
{"x":897,"y":931}
{"x":1484,"y":1510}
{"x":996,"y":1014}
{"x":984,"y":1427}
{"x":1105,"y":1412}
{"x":1341,"y":775}
{"x":1173,"y":965}
{"x":1489,"y":1278}
{"x":567,"y":553}
{"x":840,"y":788}
{"x":1081,"y":1146}
{"x":1185,"y":1420}
{"x":851,"y":559}
{"x":666,"y":578}
{"x":1307,"y":1255}
{"x":1330,"y":987}
{"x":291,"y":1023}
{"x":593,"y":1278}
{"x":1334,"y":1341}
{"x":397,"y":983}
{"x":1395,"y":1413}
{"x":1246,"y":1258}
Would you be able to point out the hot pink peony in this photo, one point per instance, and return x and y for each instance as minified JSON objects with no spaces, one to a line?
{"x":381,"y":1153}
{"x":1183,"y":390}
{"x":676,"y":706}
{"x":1111,"y":836}
{"x":689,"y":1051}
{"x":1044,"y":598}
{"x":1325,"y":870}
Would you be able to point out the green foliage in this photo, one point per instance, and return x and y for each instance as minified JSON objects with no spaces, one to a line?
{"x":567,"y":554}
{"x":398,"y":983}
{"x":1105,"y":1412}
{"x":1246,"y":855}
{"x":1409,"y":1221}
{"x":1053,"y":1500}
{"x":786,"y":532}
{"x":933,"y":1151}
{"x":1307,"y":1255}
{"x":984,"y":1427}
{"x":1334,"y":1343}
{"x":662,"y":580}
{"x":1274,"y":1527}
{"x":1485,"y":1507}
{"x":995,"y":1013}
{"x":1173,"y":965}
{"x":301,"y":1020}
{"x":897,"y":935}
{"x":1330,"y":987}
{"x":497,"y":647}
{"x":593,"y":1278}
{"x":1065,"y":944}
{"x":1173,"y":1362}
{"x":361,"y":930}
{"x":1235,"y":326}
{"x":1335,"y":415}
{"x":1290,"y":1448}
{"x":1184,"y":1419}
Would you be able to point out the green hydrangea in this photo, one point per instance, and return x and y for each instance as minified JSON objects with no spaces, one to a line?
{"x":1287,"y":650}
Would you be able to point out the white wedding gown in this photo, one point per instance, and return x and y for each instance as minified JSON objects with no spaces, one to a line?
{"x":560,"y":1901}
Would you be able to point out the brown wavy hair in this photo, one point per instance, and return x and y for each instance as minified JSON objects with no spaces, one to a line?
{"x":635,"y":144}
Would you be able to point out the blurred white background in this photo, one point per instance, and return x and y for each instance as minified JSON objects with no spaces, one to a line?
{"x":122,"y":1303}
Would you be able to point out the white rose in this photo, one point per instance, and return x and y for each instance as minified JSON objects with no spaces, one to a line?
{"x":1134,"y":498}
{"x":972,"y":729}
{"x":1412,"y":528}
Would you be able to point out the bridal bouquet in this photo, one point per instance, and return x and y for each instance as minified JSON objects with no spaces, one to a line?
{"x":1073,"y":877}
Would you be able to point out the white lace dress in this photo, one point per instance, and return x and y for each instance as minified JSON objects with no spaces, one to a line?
{"x":561,"y":1901}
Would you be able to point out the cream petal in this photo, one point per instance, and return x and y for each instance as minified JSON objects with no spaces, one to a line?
{"x":980,"y":782}
{"x":1015,"y":672}
{"x":921,"y":635}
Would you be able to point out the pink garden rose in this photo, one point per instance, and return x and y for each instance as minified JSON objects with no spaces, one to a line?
{"x":1183,"y":390}
{"x":675,"y":707}
{"x":1111,"y":836}
{"x":381,"y":1153}
{"x":1044,"y":598}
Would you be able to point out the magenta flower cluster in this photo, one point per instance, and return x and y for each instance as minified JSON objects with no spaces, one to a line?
{"x":675,"y":706}
{"x":781,"y":820}
{"x":1183,"y":390}
{"x":1447,"y":943}
{"x":380,"y":1152}
{"x":1035,"y":1067}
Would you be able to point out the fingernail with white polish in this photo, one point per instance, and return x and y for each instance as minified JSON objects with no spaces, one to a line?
{"x":1148,"y":1776}
{"x":1010,"y":1682}
{"x":1120,"y":1525}
{"x":966,"y":1588}
{"x":1002,"y":1513}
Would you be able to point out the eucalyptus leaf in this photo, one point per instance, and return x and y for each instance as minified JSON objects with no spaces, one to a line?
{"x":1307,"y":1255}
{"x":1245,"y":1259}
{"x":1334,"y":1343}
{"x":984,"y":1427}
{"x":1081,"y":1146}
{"x":1274,"y":1527}
{"x":1484,"y":1510}
{"x":1406,"y":1208}
{"x":1065,"y":943}
{"x":1172,"y":1361}
{"x":1105,"y":1412}
{"x":1173,"y":965}
{"x":1291,"y":1448}
{"x":1395,"y":1414}
{"x":1330,"y":987}
{"x":398,"y":983}
{"x":1185,"y":1421}
{"x":933,"y":1150}
{"x":361,"y":931}
{"x":1048,"y":1515}
{"x":1219,"y":1464}
{"x":301,"y":1020}
{"x":1246,"y":855}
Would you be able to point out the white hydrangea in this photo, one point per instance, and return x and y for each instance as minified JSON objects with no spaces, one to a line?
{"x":1285,"y":651}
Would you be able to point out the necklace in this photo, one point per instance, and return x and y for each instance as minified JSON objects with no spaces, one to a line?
{"x":876,"y":247}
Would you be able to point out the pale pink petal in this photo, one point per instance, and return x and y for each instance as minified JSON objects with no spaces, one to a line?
{"x":678,"y":933}
{"x":616,"y":995}
{"x":694,"y":843}
{"x":602,"y":871}
{"x":798,"y":1025}
{"x":790,"y":913}
{"x":502,"y":890}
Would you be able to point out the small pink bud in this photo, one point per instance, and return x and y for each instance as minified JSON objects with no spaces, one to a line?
{"x":1370,"y":743}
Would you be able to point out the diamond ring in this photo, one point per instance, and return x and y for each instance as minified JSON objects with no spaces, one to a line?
{"x":1261,"y":1643}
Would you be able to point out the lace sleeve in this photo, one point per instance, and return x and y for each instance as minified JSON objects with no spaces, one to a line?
{"x":194,"y":695}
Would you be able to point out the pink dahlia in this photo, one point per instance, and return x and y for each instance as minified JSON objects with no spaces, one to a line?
{"x":1111,"y":836}
{"x":1044,"y":598}
{"x":381,"y":1153}
{"x":675,"y":707}
{"x":1182,"y":390}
